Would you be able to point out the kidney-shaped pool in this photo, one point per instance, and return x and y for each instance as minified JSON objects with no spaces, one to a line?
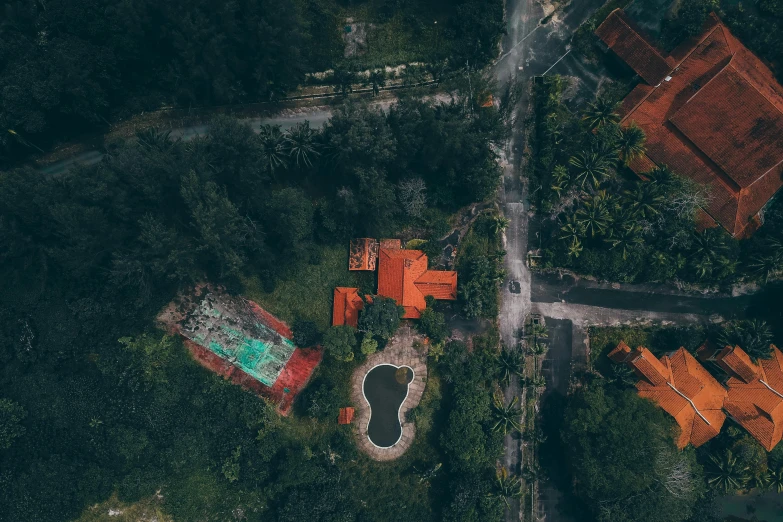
{"x":385,"y":389}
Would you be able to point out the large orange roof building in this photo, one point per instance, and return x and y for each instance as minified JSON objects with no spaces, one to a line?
{"x":402,"y":275}
{"x":711,"y":111}
{"x":681,"y":386}
{"x":755,"y":391}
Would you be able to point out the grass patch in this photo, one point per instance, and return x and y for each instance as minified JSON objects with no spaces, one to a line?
{"x":308,"y":293}
{"x":145,"y":509}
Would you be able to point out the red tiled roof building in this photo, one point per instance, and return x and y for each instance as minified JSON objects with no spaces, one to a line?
{"x":755,"y":391}
{"x":347,"y":304}
{"x":711,"y":111}
{"x":404,"y":277}
{"x":682,"y":387}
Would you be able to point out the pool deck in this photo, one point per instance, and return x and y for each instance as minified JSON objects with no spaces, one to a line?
{"x":399,"y":352}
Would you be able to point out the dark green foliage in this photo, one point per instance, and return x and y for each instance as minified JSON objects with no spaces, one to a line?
{"x":11,"y":416}
{"x":623,"y":459}
{"x":433,"y":323}
{"x":306,"y":333}
{"x":480,"y":268}
{"x":468,"y":441}
{"x":69,"y":66}
{"x":381,"y":318}
{"x":340,"y":342}
{"x":613,"y":225}
{"x":91,"y":257}
{"x":754,"y":336}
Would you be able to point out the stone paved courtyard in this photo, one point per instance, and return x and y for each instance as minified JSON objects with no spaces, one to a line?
{"x":399,"y":352}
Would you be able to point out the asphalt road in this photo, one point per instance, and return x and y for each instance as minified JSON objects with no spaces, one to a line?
{"x":531,"y":48}
{"x":552,"y":289}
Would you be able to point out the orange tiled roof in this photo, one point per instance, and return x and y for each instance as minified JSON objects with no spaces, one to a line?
{"x":755,"y":396}
{"x":347,"y":304}
{"x":717,"y":120}
{"x":345,"y":416}
{"x":622,"y":37}
{"x":403,"y":276}
{"x":363,"y":254}
{"x":682,"y":387}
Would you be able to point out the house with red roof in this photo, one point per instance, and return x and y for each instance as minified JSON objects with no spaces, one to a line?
{"x":402,"y":275}
{"x":711,"y":111}
{"x":755,"y":391}
{"x":682,"y":387}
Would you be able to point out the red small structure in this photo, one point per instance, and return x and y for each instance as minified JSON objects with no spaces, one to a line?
{"x":346,"y":416}
{"x":347,"y":304}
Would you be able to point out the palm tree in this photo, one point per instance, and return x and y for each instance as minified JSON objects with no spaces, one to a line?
{"x":645,"y":200}
{"x":155,"y":139}
{"x":560,"y":179}
{"x":498,"y":224}
{"x":622,"y":375}
{"x":594,"y":216}
{"x":726,"y":474}
{"x":508,"y":486}
{"x":770,"y":263}
{"x":507,"y":417}
{"x":600,"y":112}
{"x":509,"y":363}
{"x":625,"y":237}
{"x":590,"y":167}
{"x":536,"y":349}
{"x":753,"y":336}
{"x":273,"y":146}
{"x":300,"y":143}
{"x":631,"y":143}
{"x":343,"y":81}
{"x":575,"y":248}
{"x":661,"y":175}
{"x":708,"y":253}
{"x":776,"y":479}
{"x":537,"y":382}
{"x":572,"y":230}
{"x":377,"y":79}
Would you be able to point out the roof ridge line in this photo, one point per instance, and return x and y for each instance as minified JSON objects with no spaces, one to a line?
{"x":691,"y":403}
{"x":770,"y":388}
{"x":676,"y":66}
{"x":722,"y":69}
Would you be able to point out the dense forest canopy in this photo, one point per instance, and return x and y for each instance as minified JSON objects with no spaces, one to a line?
{"x":89,"y":258}
{"x":68,"y":67}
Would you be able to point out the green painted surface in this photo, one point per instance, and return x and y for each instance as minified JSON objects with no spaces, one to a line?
{"x":226,"y":326}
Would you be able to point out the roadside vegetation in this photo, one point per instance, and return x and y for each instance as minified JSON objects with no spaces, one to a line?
{"x":598,"y":218}
{"x":70,"y":68}
{"x":91,"y":256}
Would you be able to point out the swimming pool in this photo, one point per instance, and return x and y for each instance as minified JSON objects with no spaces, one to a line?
{"x":385,"y":388}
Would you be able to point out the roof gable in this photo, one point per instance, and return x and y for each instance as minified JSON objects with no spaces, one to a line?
{"x":622,"y":37}
{"x":682,"y":387}
{"x":403,"y":276}
{"x":347,"y":304}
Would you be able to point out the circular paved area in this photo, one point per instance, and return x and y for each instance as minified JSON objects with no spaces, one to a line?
{"x":399,"y":352}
